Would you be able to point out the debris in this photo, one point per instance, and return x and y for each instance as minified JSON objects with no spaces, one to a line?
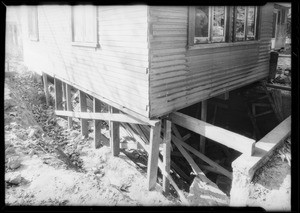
{"x":10,"y":151}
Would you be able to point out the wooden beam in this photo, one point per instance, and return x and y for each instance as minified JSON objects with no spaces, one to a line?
{"x":276,"y":86}
{"x":69,"y":104}
{"x":180,"y":172}
{"x":58,"y":94}
{"x":99,"y":116}
{"x":192,"y":163}
{"x":203,"y":157}
{"x":167,"y":153}
{"x":203,"y":118}
{"x":97,"y":124}
{"x":83,"y":108}
{"x":169,"y":177}
{"x":46,"y":91}
{"x":114,"y":134}
{"x":153,"y":155}
{"x":218,"y":134}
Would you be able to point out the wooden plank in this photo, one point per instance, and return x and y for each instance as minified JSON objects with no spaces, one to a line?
{"x":220,"y":135}
{"x":83,"y":108}
{"x":198,"y":172}
{"x":97,"y":124}
{"x":69,"y":103}
{"x":153,"y":155}
{"x":203,"y":157}
{"x":100,"y":116}
{"x":114,"y":134}
{"x":167,"y":153}
{"x":203,"y":118}
{"x":168,"y":176}
{"x":58,"y":94}
{"x":276,"y":86}
{"x":46,"y":91}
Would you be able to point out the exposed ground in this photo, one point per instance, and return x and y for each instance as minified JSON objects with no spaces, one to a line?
{"x":47,"y":164}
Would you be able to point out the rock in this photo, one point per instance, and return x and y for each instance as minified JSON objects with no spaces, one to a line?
{"x":14,"y":162}
{"x":32,"y":133}
{"x":31,"y":153}
{"x":10,"y":151}
{"x":15,"y":179}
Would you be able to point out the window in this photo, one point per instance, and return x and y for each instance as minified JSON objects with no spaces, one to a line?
{"x":245,"y":23}
{"x":219,"y":24}
{"x":33,"y":24}
{"x":210,"y":24}
{"x":84,"y":25}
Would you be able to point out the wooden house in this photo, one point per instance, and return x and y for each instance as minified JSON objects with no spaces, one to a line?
{"x":149,"y":62}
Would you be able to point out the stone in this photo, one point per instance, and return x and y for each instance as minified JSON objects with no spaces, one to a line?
{"x":10,"y":151}
{"x":15,"y":179}
{"x":14,"y":162}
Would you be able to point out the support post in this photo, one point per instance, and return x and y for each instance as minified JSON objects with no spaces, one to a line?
{"x":114,"y":134}
{"x":83,"y":108}
{"x":97,"y":124}
{"x":69,"y":104}
{"x":203,"y":118}
{"x":45,"y":80}
{"x":153,"y":155}
{"x":64,"y":95}
{"x":167,"y":154}
{"x":58,"y":94}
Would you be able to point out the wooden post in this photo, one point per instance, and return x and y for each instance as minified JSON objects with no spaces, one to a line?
{"x":64,"y":95}
{"x":69,"y":104}
{"x":58,"y":94}
{"x":153,"y":155}
{"x":45,"y":80}
{"x":83,"y":108}
{"x":203,"y":118}
{"x":167,"y":154}
{"x":97,"y":124}
{"x":114,"y":135}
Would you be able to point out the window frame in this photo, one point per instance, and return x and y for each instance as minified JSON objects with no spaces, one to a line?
{"x":33,"y":36}
{"x":94,"y":43}
{"x":230,"y":29}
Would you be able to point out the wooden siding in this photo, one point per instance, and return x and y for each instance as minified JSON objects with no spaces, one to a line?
{"x":116,"y":70}
{"x":180,"y":76}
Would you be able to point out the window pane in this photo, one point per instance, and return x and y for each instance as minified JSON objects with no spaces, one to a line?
{"x":240,"y":23}
{"x":90,"y":19}
{"x":251,"y":23}
{"x":218,"y":30}
{"x":201,"y":24}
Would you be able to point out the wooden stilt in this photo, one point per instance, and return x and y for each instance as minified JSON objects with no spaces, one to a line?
{"x":58,"y":94}
{"x":203,"y":118}
{"x":69,"y":104}
{"x":83,"y":108}
{"x":167,"y":154}
{"x":45,"y":80}
{"x":153,"y":155}
{"x":64,"y":95}
{"x":97,"y":124}
{"x":114,"y":135}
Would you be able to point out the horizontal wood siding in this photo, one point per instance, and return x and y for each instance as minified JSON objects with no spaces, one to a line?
{"x":116,"y":70}
{"x":180,"y":77}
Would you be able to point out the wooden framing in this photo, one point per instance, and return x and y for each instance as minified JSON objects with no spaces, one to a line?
{"x":114,"y":127}
{"x":83,"y":108}
{"x":46,"y":91}
{"x":118,"y":117}
{"x":203,"y":118}
{"x":167,"y":153}
{"x":220,"y":135}
{"x":97,"y":124}
{"x":69,"y":103}
{"x":245,"y":166}
{"x":58,"y":94}
{"x":153,"y":156}
{"x":217,"y":167}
